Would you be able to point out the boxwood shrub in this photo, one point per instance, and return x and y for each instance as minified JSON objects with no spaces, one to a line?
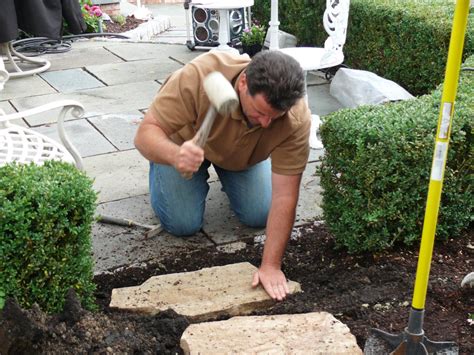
{"x":46,"y":214}
{"x":376,"y":169}
{"x":405,"y":41}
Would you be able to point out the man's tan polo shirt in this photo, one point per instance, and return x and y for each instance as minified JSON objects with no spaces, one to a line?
{"x":181,"y":105}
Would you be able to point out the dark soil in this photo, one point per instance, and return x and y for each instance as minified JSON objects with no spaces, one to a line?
{"x":130,"y":23}
{"x":364,"y":291}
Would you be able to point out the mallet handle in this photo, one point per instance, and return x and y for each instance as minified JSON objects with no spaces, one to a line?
{"x":203,"y":132}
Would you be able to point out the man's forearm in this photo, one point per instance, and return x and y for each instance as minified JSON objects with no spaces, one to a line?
{"x":153,"y":142}
{"x":279,"y":226}
{"x":156,"y":146}
{"x":285,"y":193}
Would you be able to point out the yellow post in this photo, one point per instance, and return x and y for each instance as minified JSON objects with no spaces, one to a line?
{"x":440,"y":152}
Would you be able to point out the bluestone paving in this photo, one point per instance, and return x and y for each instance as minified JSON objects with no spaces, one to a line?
{"x":118,"y":128}
{"x":132,"y":72}
{"x":222,"y":225}
{"x":175,"y":12}
{"x":315,"y":78}
{"x":87,"y":140}
{"x":70,"y":80}
{"x":115,"y":247}
{"x":321,"y":102}
{"x":118,"y":175}
{"x":315,"y":155}
{"x":109,"y":99}
{"x":136,"y":208}
{"x":82,"y":56}
{"x":140,"y":51}
{"x":220,"y":222}
{"x":6,"y":107}
{"x":25,"y":87}
{"x":309,"y":203}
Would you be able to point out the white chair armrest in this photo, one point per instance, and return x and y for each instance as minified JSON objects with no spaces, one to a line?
{"x":75,"y":108}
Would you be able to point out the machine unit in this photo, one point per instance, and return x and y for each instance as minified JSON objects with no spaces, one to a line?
{"x":205,"y":24}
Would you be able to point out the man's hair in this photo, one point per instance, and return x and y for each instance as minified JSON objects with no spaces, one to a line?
{"x":278,"y":77}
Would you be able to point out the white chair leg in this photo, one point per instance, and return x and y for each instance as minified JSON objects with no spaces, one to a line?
{"x":314,"y":141}
{"x":4,"y":76}
{"x":14,"y":58}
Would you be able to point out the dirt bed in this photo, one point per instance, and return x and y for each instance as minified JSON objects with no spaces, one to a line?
{"x":129,"y":24}
{"x":362,"y":291}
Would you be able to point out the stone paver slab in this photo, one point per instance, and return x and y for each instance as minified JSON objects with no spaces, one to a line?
{"x":309,"y":203}
{"x":140,"y":51}
{"x":199,"y":295}
{"x":309,"y":333}
{"x":321,"y":102}
{"x":24,"y":87}
{"x":115,"y":246}
{"x":6,"y":107}
{"x":220,"y":222}
{"x":71,"y":80}
{"x":118,"y":175}
{"x":99,"y":101}
{"x":81,"y":56}
{"x":185,"y":56}
{"x":87,"y":140}
{"x":222,"y":225}
{"x":132,"y":72}
{"x":136,"y":208}
{"x":315,"y":155}
{"x":118,"y":128}
{"x":315,"y":78}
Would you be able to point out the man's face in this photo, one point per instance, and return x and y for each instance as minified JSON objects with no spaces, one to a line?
{"x":256,"y":108}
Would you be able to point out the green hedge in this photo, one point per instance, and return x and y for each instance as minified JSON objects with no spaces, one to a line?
{"x":375,"y":172}
{"x":46,"y":214}
{"x":405,"y":41}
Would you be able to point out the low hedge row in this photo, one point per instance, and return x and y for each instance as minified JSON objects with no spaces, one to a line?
{"x":405,"y":41}
{"x":376,"y":169}
{"x":46,"y":214}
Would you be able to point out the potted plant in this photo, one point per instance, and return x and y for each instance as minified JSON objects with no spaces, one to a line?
{"x":252,"y":39}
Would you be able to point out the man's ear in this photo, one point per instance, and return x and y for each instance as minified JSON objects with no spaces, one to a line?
{"x":243,"y":83}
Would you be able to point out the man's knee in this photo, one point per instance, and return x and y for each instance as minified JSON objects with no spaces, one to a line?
{"x":182,"y":228}
{"x":255,"y":218}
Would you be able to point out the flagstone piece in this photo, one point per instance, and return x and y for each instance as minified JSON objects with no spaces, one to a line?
{"x":199,"y":295}
{"x":309,"y":333}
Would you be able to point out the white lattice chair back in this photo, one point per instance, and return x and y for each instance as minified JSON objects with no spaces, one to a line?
{"x":335,"y":20}
{"x":24,"y":145}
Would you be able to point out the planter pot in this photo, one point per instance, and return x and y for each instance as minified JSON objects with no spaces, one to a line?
{"x":252,"y":49}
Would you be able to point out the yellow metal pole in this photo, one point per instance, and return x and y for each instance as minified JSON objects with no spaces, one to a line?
{"x":440,"y":152}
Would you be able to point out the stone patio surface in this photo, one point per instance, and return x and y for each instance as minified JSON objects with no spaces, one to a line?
{"x":116,"y":82}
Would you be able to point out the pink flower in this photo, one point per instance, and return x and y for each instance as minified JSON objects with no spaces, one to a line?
{"x":98,"y":12}
{"x":87,"y":7}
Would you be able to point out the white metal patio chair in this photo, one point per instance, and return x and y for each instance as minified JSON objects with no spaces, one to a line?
{"x":335,"y":20}
{"x":20,"y":65}
{"x":24,"y":145}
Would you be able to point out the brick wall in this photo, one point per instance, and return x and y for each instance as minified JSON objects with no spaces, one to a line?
{"x":110,"y":7}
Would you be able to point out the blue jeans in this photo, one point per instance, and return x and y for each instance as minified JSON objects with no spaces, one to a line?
{"x":180,"y":203}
